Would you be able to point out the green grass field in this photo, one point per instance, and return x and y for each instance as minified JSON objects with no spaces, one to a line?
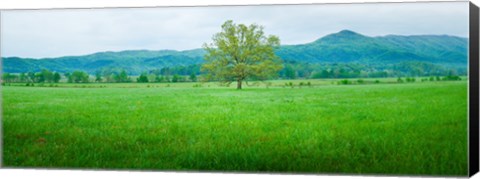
{"x":410,"y":128}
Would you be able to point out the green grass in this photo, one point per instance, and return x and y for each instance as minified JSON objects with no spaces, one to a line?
{"x":410,"y":128}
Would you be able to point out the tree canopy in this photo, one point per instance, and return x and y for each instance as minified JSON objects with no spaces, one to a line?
{"x":240,"y":53}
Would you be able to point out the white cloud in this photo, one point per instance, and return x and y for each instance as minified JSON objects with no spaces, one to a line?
{"x":52,"y":33}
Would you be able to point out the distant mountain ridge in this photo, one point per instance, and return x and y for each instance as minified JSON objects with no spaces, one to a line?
{"x":343,"y":47}
{"x":349,"y":46}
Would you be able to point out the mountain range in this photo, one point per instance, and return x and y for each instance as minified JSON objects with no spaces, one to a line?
{"x":342,"y":47}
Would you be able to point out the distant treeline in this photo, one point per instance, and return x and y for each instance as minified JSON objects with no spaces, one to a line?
{"x":295,"y":70}
{"x":108,"y":76}
{"x":291,"y":70}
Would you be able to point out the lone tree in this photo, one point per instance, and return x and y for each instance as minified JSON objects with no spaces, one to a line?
{"x":240,"y":53}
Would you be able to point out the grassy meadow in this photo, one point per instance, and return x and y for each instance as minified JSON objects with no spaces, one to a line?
{"x":415,"y":128}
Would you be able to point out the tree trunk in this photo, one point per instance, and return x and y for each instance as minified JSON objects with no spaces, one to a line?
{"x":239,"y":84}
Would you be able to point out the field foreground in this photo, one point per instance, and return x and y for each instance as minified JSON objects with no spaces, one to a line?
{"x":415,"y":128}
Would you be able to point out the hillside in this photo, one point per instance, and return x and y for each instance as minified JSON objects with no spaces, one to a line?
{"x":348,"y":46}
{"x":342,"y":47}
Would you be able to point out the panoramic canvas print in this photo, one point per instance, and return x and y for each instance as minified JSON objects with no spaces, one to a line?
{"x":376,"y":88}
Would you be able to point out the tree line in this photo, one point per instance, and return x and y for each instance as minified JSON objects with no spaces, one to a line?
{"x":103,"y":76}
{"x":39,"y":77}
{"x":193,"y":73}
{"x":298,"y":70}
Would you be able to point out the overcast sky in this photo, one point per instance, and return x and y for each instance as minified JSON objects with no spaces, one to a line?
{"x":54,"y":33}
